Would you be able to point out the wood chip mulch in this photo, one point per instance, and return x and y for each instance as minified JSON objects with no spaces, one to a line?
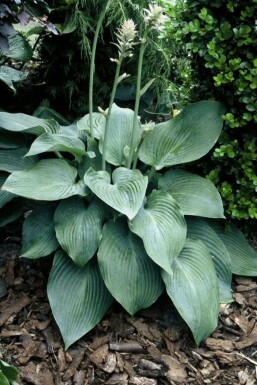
{"x":154,"y":347}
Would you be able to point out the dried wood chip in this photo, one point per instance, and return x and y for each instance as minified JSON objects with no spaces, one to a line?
{"x":150,"y":369}
{"x":99,"y":356}
{"x":118,"y":379}
{"x":99,"y":342}
{"x":247,"y":341}
{"x":110,"y":363}
{"x":74,"y":365}
{"x":29,"y":352}
{"x":243,"y":288}
{"x":217,"y":344}
{"x":79,"y":377}
{"x":36,"y":374}
{"x":173,"y":333}
{"x":142,"y":381}
{"x":14,"y":306}
{"x":128,"y":347}
{"x":142,"y":328}
{"x":177,"y":371}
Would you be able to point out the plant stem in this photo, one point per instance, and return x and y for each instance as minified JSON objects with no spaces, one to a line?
{"x":114,"y":88}
{"x":92,"y":65}
{"x":138,"y":88}
{"x":151,"y":173}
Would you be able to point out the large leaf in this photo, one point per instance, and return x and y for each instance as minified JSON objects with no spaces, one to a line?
{"x":38,"y":235}
{"x":99,"y":121}
{"x":129,"y":274}
{"x":187,"y":137}
{"x":243,"y":257}
{"x":79,"y":228}
{"x":78,"y":297}
{"x":13,"y":160}
{"x":127,"y":192}
{"x":26,"y":123}
{"x":162,"y":227}
{"x":47,"y":180}
{"x":5,"y":196}
{"x":199,"y":229}
{"x":57,"y":142}
{"x":194,"y":194}
{"x":193,"y":288}
{"x":120,"y":135}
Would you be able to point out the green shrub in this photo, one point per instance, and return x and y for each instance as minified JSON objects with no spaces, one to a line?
{"x":219,"y":40}
{"x":113,"y":199}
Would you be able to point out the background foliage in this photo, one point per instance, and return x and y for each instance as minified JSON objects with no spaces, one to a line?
{"x":219,"y":52}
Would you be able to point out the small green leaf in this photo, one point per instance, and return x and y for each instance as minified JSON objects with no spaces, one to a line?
{"x":49,"y":180}
{"x":243,"y":257}
{"x":99,"y":121}
{"x":127,"y":192}
{"x":193,"y":288}
{"x":199,"y":229}
{"x":79,"y":228}
{"x":162,"y":227}
{"x":194,"y":194}
{"x":57,"y":142}
{"x":38,"y":235}
{"x":9,"y":371}
{"x":187,"y":137}
{"x":129,"y":274}
{"x":78,"y":297}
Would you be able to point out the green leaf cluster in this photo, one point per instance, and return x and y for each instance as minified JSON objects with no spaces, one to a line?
{"x":9,"y":375}
{"x":221,"y":61}
{"x":123,"y":233}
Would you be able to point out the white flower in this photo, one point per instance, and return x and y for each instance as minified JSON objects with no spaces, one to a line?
{"x":154,"y":17}
{"x":126,"y":36}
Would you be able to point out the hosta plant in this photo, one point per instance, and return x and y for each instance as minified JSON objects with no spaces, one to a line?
{"x":112,"y":199}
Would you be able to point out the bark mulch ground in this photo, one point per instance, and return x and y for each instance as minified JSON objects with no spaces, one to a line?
{"x":152,"y":348}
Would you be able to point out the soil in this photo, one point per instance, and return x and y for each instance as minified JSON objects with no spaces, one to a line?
{"x":154,"y":347}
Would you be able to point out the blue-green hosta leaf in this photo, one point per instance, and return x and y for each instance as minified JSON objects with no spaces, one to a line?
{"x":13,"y":160}
{"x":243,"y":257}
{"x":9,"y":141}
{"x":129,"y":274}
{"x":193,"y":288}
{"x":98,"y":124}
{"x":127,"y":192}
{"x":120,"y":135}
{"x":199,"y":229}
{"x":78,"y":297}
{"x":47,"y":180}
{"x":194,"y":194}
{"x":38,"y":235}
{"x":5,"y":196}
{"x":162,"y":227}
{"x":27,"y":123}
{"x":11,"y":211}
{"x":57,"y":142}
{"x":187,"y":137}
{"x":79,"y":228}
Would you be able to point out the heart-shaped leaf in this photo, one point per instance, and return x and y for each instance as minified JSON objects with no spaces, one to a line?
{"x":162,"y":227}
{"x":243,"y":257}
{"x":78,"y":297}
{"x":57,"y":142}
{"x":120,"y":135}
{"x":49,"y":179}
{"x":79,"y":228}
{"x":127,"y":192}
{"x":194,"y":194}
{"x":199,"y":229}
{"x":38,"y":235}
{"x":193,"y":288}
{"x":187,"y":137}
{"x":129,"y":274}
